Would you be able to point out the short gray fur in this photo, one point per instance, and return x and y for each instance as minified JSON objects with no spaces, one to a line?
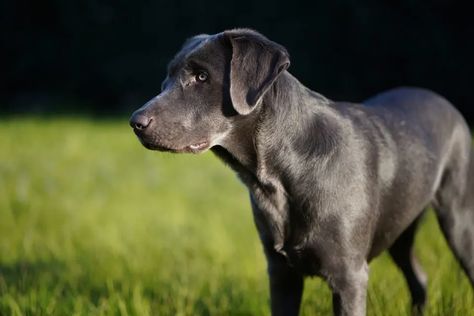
{"x":332,"y":184}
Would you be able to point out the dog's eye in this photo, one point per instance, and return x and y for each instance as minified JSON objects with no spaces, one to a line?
{"x":201,"y":76}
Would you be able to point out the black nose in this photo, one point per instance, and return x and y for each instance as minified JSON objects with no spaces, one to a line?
{"x":139,"y":121}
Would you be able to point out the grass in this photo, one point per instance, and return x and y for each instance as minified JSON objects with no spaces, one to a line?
{"x":91,"y":223}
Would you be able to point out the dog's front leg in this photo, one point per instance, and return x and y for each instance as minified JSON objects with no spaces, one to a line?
{"x":286,"y":288}
{"x":349,"y":287}
{"x":286,"y":284}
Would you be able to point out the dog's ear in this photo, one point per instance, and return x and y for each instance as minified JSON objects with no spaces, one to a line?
{"x":255,"y":65}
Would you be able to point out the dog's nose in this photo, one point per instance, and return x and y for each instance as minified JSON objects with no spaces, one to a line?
{"x":139,"y":121}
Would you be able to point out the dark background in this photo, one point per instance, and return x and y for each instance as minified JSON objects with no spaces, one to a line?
{"x":109,"y":57}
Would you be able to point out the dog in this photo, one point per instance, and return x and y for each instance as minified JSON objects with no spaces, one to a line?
{"x":332,"y":184}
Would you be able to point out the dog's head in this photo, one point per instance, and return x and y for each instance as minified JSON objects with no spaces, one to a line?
{"x":211,"y":81}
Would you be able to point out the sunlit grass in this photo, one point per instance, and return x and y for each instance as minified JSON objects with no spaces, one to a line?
{"x":91,"y":223}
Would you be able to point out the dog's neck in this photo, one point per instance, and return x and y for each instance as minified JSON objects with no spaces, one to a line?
{"x":269,"y":130}
{"x":261,"y":145}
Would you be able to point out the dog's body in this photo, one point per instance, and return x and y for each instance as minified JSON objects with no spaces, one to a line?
{"x":331,"y":184}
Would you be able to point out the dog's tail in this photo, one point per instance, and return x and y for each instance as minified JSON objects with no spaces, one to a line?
{"x":467,"y":237}
{"x":469,"y":194}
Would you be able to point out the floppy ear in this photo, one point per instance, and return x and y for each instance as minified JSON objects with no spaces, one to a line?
{"x":255,"y":65}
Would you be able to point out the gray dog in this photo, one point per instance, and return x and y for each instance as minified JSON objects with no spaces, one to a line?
{"x":332,"y":184}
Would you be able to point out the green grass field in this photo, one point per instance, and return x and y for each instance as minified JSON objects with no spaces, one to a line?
{"x":91,"y":223}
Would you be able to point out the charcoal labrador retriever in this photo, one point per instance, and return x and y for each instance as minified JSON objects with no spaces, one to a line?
{"x":332,"y":184}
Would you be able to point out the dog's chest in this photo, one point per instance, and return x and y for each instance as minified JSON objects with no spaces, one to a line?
{"x":284,"y":229}
{"x":279,"y":233}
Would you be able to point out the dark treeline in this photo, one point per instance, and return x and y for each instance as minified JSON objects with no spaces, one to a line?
{"x":108,"y":57}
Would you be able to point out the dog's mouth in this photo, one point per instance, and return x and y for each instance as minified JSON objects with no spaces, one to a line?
{"x":199,"y":146}
{"x":193,"y":148}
